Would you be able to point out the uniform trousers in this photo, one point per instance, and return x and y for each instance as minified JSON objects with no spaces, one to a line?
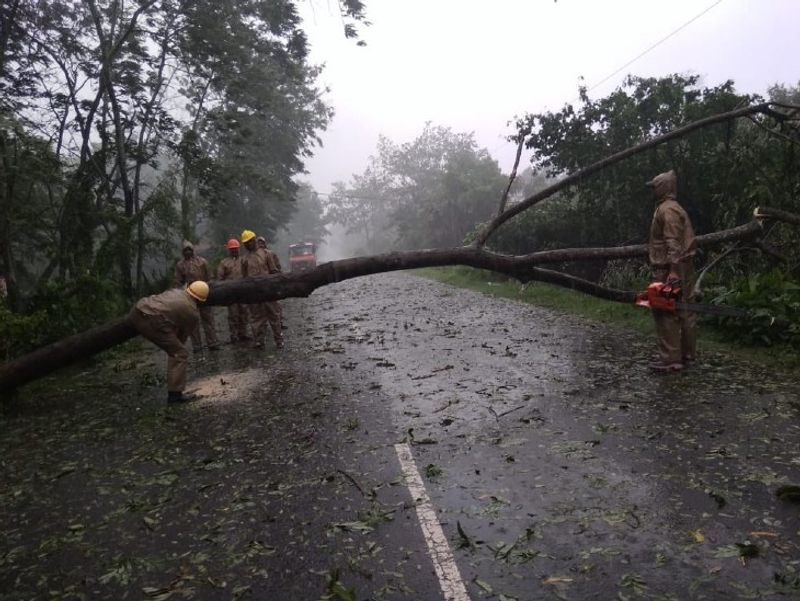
{"x":162,"y":333}
{"x":676,"y":330}
{"x":237,"y":322}
{"x":207,"y":321}
{"x":261,"y":315}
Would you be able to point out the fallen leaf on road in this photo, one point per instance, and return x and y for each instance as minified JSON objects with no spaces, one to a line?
{"x":557,"y":580}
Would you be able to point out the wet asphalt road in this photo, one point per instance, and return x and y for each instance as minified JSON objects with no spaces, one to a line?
{"x":559,"y":467}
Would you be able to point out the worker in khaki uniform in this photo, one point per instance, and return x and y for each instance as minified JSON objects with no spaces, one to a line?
{"x":262,"y":244}
{"x":166,"y":320}
{"x":230,"y":268}
{"x":258,"y":263}
{"x":191,"y":269}
{"x":671,"y":250}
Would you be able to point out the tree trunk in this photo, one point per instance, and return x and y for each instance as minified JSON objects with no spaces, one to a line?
{"x":47,"y":359}
{"x":284,"y":285}
{"x":7,"y":260}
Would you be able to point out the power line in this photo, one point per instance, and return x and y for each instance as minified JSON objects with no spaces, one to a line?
{"x":658,"y":43}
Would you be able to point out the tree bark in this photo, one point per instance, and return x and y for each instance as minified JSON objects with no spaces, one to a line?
{"x":47,"y":359}
{"x":504,"y":198}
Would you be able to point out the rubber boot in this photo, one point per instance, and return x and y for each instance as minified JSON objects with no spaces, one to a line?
{"x":174,"y":397}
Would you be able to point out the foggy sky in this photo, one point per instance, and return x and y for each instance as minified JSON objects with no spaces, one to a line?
{"x":473,"y":65}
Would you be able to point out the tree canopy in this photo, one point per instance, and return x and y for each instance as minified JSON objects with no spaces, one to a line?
{"x":125,"y":127}
{"x":724,"y":171}
{"x":427,"y":193}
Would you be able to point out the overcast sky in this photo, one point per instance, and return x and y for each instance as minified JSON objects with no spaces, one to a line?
{"x":473,"y":65}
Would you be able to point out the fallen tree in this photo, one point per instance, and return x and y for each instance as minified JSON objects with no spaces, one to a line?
{"x":525,"y":268}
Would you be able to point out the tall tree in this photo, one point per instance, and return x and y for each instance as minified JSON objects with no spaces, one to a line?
{"x":308,"y":222}
{"x":432,"y":191}
{"x":261,"y":111}
{"x":102,"y":83}
{"x":363,"y":206}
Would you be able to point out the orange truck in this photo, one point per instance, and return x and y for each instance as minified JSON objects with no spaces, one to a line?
{"x":302,"y":256}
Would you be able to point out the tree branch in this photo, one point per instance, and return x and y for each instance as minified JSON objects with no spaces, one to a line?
{"x":774,"y":133}
{"x":511,"y":177}
{"x":776,"y":215}
{"x":581,"y":174}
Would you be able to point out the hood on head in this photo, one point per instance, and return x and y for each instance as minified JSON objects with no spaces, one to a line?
{"x":187,"y":244}
{"x":665,"y":185}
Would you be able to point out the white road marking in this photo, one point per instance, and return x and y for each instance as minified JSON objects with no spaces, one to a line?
{"x":443,"y":562}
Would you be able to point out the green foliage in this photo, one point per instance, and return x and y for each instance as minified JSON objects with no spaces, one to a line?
{"x":724,"y":172}
{"x":613,"y":207}
{"x":362,"y":206}
{"x":620,"y":275}
{"x":308,"y":223}
{"x":773,"y":300}
{"x":430,"y":192}
{"x":249,"y":139}
{"x":59,"y":310}
{"x":128,"y":126}
{"x":433,"y":471}
{"x":56,"y":311}
{"x":543,"y":295}
{"x":19,"y":333}
{"x":569,"y":301}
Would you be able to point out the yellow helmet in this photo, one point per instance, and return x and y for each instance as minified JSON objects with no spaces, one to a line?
{"x":247,"y":235}
{"x":198,"y":290}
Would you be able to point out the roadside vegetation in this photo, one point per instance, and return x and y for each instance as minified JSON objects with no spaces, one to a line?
{"x":728,"y":336}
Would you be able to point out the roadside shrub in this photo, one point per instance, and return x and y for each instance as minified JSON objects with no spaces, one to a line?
{"x":57,"y":310}
{"x":18,"y":333}
{"x":156,"y":282}
{"x":625,"y":275}
{"x":773,"y":300}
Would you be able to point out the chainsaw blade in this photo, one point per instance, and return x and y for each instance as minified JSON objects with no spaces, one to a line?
{"x":719,"y":310}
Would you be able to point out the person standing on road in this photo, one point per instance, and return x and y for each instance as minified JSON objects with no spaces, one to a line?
{"x":257,"y":263}
{"x":191,"y":269}
{"x":230,"y":268}
{"x":166,"y":320}
{"x":262,"y":244}
{"x":671,"y":250}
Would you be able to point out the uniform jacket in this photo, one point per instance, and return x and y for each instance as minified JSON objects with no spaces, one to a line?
{"x":190,"y":270}
{"x":176,"y":306}
{"x":672,"y":237}
{"x":258,"y":262}
{"x":230,"y":268}
{"x":272,"y":255}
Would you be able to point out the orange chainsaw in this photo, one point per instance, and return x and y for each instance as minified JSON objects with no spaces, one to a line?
{"x":663,"y":296}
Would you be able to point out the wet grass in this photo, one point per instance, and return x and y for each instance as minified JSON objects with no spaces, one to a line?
{"x":595,"y":309}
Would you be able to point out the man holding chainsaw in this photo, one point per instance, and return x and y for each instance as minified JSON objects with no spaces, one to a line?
{"x":671,"y":249}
